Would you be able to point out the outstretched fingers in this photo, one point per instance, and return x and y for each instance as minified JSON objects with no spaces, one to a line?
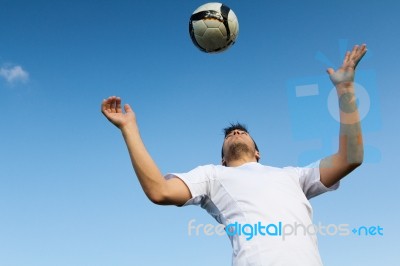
{"x":105,"y":106}
{"x":355,"y":50}
{"x":361,"y":51}
{"x":347,"y":57}
{"x":357,"y":53}
{"x":110,"y":105}
{"x":118,"y":108}
{"x":353,"y":57}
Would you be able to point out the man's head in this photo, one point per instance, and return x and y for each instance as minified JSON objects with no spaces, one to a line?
{"x":238,"y":145}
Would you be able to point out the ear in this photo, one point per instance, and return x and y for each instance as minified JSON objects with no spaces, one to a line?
{"x":257,"y":155}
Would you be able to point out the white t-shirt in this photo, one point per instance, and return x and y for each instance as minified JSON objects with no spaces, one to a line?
{"x":254,"y":194}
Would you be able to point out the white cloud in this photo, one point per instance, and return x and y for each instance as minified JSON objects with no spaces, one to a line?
{"x":14,"y":74}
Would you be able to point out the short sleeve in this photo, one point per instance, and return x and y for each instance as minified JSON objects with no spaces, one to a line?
{"x":310,"y":180}
{"x":198,"y":182}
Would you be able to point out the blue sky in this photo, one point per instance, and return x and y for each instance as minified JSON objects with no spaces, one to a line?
{"x":68,"y":195}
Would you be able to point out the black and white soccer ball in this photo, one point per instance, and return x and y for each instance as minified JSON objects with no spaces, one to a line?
{"x":213,"y":27}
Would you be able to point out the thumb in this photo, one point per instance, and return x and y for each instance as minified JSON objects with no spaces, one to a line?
{"x":127,"y":108}
{"x":330,"y":71}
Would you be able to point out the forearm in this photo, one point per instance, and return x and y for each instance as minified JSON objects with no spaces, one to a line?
{"x":350,"y":138}
{"x":351,"y":151}
{"x":150,"y":177}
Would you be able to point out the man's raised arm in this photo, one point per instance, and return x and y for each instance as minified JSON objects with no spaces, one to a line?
{"x":157,"y":189}
{"x":351,"y":151}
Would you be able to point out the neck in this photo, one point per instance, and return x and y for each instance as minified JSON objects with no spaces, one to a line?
{"x":239,"y":162}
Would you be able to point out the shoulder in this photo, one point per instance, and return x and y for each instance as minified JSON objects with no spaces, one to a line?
{"x":207,"y":171}
{"x":301,"y":170}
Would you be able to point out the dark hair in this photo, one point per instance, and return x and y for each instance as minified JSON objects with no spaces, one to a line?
{"x":232,"y":127}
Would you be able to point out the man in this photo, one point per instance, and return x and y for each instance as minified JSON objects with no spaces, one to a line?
{"x":243,"y":192}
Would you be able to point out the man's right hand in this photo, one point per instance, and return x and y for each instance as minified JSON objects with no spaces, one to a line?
{"x":111,"y":109}
{"x":160,"y":191}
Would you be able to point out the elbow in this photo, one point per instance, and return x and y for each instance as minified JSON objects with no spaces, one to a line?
{"x":156,"y":193}
{"x":357,"y":162}
{"x":356,"y":159}
{"x":355,"y":165}
{"x":156,"y":201}
{"x":157,"y":198}
{"x":360,"y":159}
{"x":161,"y":202}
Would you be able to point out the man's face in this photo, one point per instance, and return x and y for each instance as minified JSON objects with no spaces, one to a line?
{"x":238,"y":143}
{"x":237,"y":136}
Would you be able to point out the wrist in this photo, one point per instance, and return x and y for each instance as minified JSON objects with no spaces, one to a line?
{"x":348,"y":102}
{"x":129,"y":128}
{"x":345,"y":87}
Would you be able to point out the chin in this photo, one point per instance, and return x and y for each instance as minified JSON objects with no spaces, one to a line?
{"x":237,"y":150}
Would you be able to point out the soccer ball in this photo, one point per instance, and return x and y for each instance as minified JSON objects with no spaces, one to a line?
{"x":213,"y":27}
